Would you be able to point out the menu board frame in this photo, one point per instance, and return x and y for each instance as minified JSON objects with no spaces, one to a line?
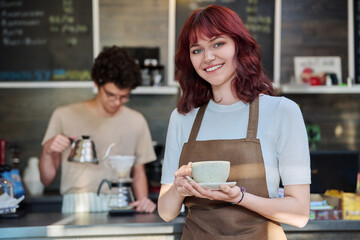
{"x":73,"y":82}
{"x":354,"y":40}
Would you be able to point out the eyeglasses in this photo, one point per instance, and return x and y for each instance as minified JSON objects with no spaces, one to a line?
{"x":113,"y":97}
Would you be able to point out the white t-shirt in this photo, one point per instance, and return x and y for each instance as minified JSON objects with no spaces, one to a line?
{"x":281,"y":131}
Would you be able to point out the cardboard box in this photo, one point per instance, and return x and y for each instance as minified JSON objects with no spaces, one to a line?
{"x":351,"y":206}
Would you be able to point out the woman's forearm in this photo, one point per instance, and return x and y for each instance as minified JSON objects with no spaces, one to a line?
{"x":293,"y":209}
{"x":169,"y":203}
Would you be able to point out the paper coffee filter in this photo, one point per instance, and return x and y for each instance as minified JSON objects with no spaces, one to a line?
{"x":122,"y":164}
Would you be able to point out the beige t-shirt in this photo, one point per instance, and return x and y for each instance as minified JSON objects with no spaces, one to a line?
{"x":128,"y":130}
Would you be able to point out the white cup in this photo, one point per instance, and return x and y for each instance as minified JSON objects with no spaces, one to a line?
{"x":210,"y":171}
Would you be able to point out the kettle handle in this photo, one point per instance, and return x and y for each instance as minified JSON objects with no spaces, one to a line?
{"x":102,"y":182}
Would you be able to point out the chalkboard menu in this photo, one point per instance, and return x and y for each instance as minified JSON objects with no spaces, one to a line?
{"x":357,"y":39}
{"x":46,"y":40}
{"x":257,"y":15}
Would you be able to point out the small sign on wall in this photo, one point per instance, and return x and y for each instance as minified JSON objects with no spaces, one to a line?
{"x":316,"y":70}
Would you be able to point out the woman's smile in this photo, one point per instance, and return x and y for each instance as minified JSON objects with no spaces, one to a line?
{"x":213,"y":68}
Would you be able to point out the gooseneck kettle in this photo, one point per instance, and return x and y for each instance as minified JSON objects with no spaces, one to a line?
{"x":83,"y":151}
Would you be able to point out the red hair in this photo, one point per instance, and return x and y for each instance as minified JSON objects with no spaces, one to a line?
{"x":212,"y":21}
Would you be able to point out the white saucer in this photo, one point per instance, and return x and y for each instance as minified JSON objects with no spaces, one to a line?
{"x":216,"y":186}
{"x":213,"y":186}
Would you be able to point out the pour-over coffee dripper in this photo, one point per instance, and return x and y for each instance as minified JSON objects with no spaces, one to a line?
{"x":122,"y":165}
{"x":124,"y":196}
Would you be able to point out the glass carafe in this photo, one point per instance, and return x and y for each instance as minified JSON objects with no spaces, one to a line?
{"x":121,"y":194}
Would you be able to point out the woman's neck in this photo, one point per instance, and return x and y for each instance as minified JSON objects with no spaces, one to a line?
{"x":224,"y":96}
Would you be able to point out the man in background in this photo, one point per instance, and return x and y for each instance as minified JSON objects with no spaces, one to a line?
{"x":106,"y":120}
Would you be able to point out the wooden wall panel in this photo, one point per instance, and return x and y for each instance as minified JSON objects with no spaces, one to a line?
{"x":313,"y":28}
{"x":338,"y":116}
{"x":135,"y":23}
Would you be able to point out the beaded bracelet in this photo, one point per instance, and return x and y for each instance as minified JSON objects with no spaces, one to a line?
{"x":243,"y":190}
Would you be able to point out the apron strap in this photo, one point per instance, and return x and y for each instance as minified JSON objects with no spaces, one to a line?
{"x":197,"y":123}
{"x":252,"y":125}
{"x":253,"y":119}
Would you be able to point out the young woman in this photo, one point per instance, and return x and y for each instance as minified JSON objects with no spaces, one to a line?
{"x":227,"y":111}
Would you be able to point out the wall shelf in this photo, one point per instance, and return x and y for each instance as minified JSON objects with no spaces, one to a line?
{"x":307,"y":89}
{"x":158,"y":90}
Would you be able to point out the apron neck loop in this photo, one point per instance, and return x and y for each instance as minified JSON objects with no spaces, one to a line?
{"x":252,"y":125}
{"x":253,"y":119}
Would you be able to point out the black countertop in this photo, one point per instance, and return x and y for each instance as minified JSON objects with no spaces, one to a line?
{"x":44,"y":220}
{"x":57,"y":225}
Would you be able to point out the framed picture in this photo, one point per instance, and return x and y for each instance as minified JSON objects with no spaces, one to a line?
{"x":317,"y":67}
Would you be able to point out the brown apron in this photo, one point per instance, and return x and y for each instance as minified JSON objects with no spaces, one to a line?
{"x":209,"y":219}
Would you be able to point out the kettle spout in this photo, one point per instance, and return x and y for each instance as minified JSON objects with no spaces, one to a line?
{"x":108,"y":150}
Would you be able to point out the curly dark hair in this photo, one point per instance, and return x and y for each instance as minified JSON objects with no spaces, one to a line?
{"x":115,"y":65}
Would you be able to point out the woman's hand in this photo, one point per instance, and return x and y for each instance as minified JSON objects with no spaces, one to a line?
{"x":181,"y":183}
{"x":171,"y":197}
{"x":226,"y":193}
{"x":185,"y":187}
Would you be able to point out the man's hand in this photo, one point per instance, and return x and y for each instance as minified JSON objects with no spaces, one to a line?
{"x":144,"y":205}
{"x":51,"y":157}
{"x":56,"y":144}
